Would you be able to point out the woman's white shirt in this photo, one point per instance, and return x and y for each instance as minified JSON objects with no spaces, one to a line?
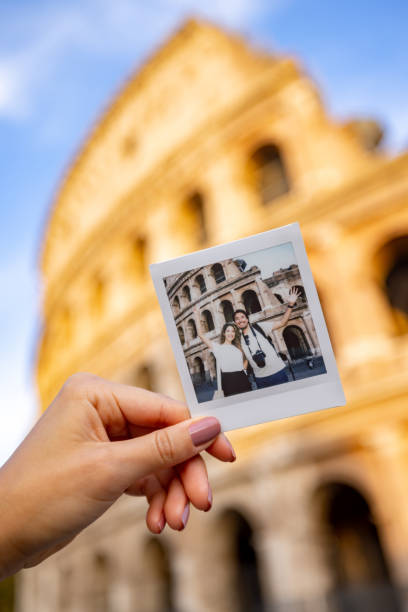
{"x":229,"y":357}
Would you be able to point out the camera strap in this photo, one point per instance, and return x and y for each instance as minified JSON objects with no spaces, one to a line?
{"x":256,"y":338}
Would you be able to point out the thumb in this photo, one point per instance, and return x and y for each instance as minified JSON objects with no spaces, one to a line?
{"x":163,"y":448}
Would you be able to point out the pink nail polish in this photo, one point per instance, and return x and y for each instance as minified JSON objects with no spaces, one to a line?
{"x":204,"y":430}
{"x":185,"y":515}
{"x":231,"y":448}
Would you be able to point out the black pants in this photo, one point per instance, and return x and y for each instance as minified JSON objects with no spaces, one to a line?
{"x":234,"y":382}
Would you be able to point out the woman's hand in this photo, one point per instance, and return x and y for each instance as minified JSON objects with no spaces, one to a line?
{"x":293,"y":295}
{"x":96,"y":441}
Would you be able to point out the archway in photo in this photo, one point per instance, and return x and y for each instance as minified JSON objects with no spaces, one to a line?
{"x":217,"y":272}
{"x":187,"y":293}
{"x":251,"y":301}
{"x":240,"y":565}
{"x":361,"y":580}
{"x":176,"y":304}
{"x":157,"y":585}
{"x":192,"y":329}
{"x":199,"y":370}
{"x":200,"y":280}
{"x":296,"y":342}
{"x":228,"y":311}
{"x":208,"y":320}
{"x":181,"y":335}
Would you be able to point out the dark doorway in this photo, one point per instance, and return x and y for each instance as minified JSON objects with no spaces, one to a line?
{"x":246,"y":582}
{"x":228,"y":311}
{"x":296,"y":342}
{"x":251,"y":302}
{"x":361,"y":577}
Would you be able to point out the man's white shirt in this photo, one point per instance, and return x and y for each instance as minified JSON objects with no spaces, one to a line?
{"x":273,"y":363}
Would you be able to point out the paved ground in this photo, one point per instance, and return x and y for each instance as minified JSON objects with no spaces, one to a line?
{"x":299,"y":370}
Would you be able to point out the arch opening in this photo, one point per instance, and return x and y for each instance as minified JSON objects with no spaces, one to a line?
{"x":296,"y":342}
{"x":228,"y":311}
{"x":360,"y":574}
{"x":251,"y":302}
{"x":268,"y":173}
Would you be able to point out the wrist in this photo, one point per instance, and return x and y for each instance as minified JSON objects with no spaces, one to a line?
{"x":290,"y":305}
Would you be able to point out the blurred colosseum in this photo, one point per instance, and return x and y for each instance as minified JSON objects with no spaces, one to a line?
{"x":212,"y":141}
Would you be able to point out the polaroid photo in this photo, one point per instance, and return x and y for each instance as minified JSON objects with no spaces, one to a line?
{"x":247,"y":330}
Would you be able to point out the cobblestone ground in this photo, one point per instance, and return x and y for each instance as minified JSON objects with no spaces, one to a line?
{"x":298,"y":370}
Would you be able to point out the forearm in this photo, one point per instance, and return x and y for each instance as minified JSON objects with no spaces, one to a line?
{"x":284,"y":319}
{"x":11,"y":559}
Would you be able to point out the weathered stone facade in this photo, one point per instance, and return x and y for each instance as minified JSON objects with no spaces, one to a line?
{"x":207,"y":128}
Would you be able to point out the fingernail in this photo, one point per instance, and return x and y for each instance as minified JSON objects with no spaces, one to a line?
{"x":161,"y":523}
{"x":231,"y":448}
{"x":185,"y":515}
{"x":204,"y":430}
{"x":210,"y":497}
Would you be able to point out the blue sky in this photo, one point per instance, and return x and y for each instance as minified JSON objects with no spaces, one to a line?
{"x":272,"y":259}
{"x":61,"y":63}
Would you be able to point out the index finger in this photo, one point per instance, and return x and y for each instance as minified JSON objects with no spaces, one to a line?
{"x":138,"y":406}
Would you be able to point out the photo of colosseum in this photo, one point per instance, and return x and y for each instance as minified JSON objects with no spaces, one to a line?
{"x":218,"y":290}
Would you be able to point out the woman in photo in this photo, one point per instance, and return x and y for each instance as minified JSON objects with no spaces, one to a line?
{"x":231,"y":360}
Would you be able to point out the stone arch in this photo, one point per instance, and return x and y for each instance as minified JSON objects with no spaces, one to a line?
{"x":239,"y":582}
{"x":181,"y":334}
{"x":144,"y":377}
{"x":186,"y":293}
{"x":200,"y":281}
{"x":217,"y":272}
{"x":208,"y":320}
{"x":192,"y":329}
{"x":227,"y":310}
{"x":391,"y":262}
{"x":251,"y":301}
{"x":267,"y":172}
{"x":176,"y":304}
{"x":198,"y":370}
{"x":102,"y":570}
{"x":157,"y":586}
{"x":194,"y":216}
{"x":296,"y":342}
{"x":360,"y":575}
{"x":138,"y":252}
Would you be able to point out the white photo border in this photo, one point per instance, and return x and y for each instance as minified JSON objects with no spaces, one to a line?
{"x":261,"y":405}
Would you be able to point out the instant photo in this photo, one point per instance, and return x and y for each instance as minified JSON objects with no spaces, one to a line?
{"x":247,"y":330}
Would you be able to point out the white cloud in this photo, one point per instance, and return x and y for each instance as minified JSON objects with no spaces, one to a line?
{"x":100,"y":28}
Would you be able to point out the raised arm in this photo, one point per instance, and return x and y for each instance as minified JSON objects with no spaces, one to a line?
{"x":293,"y":296}
{"x":202,"y":337}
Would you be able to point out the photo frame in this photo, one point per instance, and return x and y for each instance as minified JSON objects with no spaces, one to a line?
{"x":259,"y":275}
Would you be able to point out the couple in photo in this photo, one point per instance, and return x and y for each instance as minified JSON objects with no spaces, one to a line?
{"x":243,"y":344}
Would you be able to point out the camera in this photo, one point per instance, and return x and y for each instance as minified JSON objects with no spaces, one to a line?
{"x":259,"y":358}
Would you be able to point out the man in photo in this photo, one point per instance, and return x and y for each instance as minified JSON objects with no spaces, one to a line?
{"x":256,"y":342}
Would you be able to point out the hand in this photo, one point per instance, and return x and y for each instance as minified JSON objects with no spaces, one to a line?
{"x":293,"y":295}
{"x":96,"y":441}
